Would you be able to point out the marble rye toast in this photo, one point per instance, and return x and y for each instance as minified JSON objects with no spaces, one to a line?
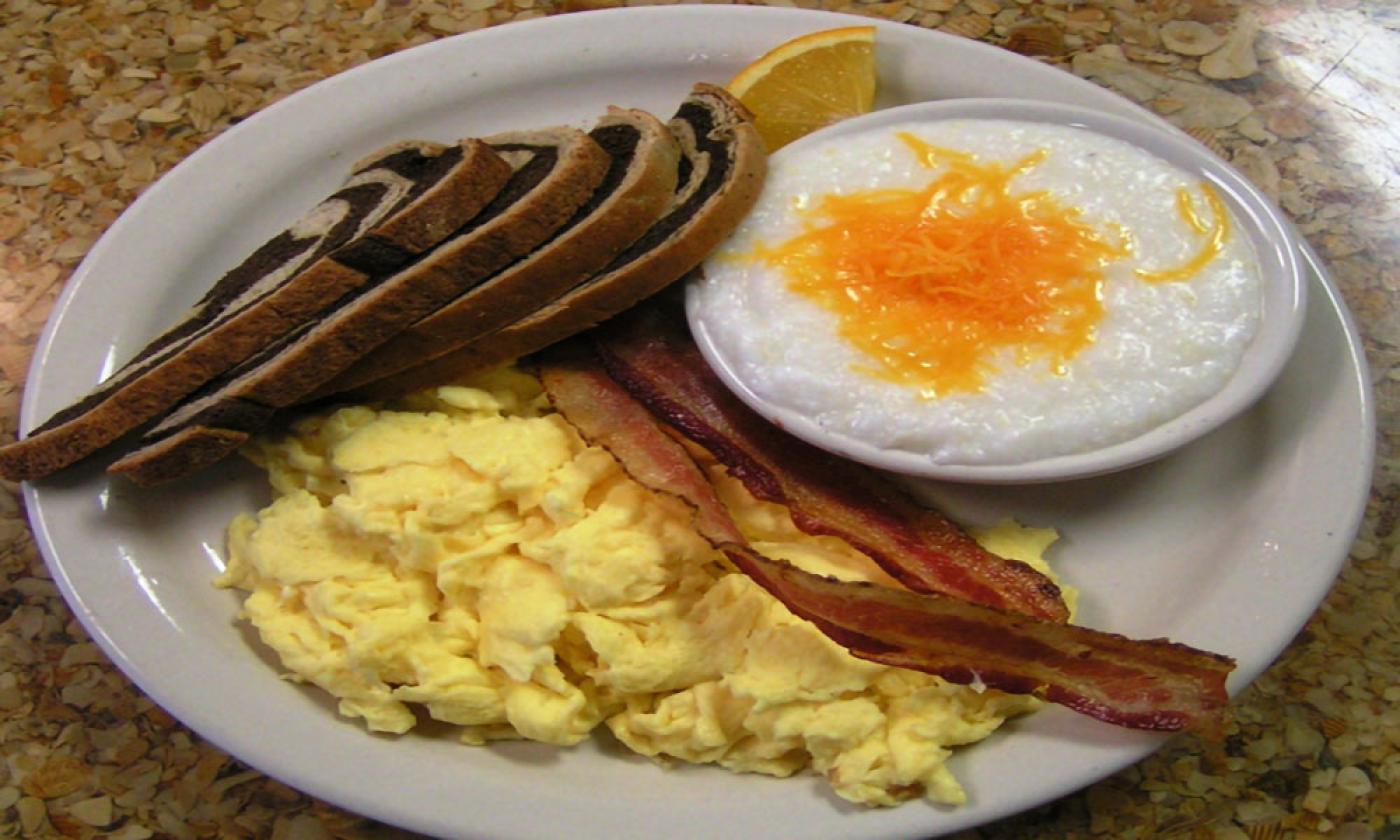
{"x":723,"y":166}
{"x":636,"y":191}
{"x":556,"y":171}
{"x":396,"y":204}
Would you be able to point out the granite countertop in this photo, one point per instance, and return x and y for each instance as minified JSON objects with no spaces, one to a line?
{"x":1303,"y":96}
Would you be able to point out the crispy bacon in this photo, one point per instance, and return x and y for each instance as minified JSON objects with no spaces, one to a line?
{"x":650,"y":353}
{"x":1153,"y":684}
{"x":607,"y":416}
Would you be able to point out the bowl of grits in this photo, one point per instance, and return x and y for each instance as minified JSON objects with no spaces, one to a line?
{"x":1001,"y":291}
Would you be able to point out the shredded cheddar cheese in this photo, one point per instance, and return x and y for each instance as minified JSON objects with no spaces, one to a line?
{"x":940,"y":284}
{"x":1215,"y":233}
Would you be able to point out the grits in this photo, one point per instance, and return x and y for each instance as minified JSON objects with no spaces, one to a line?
{"x":1160,"y":345}
{"x":467,"y":557}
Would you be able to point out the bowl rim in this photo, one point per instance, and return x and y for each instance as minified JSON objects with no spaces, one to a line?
{"x":1283,"y":301}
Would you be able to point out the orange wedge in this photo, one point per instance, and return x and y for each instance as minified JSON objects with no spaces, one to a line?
{"x":809,"y":82}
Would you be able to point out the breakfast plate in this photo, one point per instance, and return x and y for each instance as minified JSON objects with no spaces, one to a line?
{"x":1228,"y":544}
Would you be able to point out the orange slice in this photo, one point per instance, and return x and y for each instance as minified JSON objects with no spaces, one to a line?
{"x":809,"y":82}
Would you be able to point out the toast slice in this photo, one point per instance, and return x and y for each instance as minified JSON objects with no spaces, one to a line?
{"x":723,"y":165}
{"x":556,"y":170}
{"x":637,"y":189}
{"x":396,"y":204}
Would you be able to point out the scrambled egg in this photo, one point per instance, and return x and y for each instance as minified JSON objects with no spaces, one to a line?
{"x":466,"y":554}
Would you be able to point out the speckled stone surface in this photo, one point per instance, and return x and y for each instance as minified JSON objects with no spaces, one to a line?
{"x":99,"y":99}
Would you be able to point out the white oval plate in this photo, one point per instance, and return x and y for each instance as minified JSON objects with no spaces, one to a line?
{"x":1228,"y":545}
{"x":1275,"y":245}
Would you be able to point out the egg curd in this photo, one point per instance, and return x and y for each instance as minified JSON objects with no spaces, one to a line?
{"x":466,"y":555}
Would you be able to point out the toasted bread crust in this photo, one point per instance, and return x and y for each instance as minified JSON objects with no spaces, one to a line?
{"x":634,"y":203}
{"x":518,"y":219}
{"x":187,"y":451}
{"x":224,"y":342}
{"x":614,"y":291}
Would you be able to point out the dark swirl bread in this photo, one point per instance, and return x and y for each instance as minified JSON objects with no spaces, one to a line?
{"x":637,"y":189}
{"x":395,"y":205}
{"x":723,"y":165}
{"x":556,"y":170}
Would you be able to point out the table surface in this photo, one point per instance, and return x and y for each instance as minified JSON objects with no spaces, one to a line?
{"x":100,"y":99}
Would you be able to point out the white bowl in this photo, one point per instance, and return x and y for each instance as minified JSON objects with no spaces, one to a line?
{"x":1275,"y":244}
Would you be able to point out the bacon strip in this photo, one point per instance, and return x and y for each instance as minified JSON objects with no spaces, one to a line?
{"x":650,"y":353}
{"x":1153,"y":684}
{"x":606,"y":415}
